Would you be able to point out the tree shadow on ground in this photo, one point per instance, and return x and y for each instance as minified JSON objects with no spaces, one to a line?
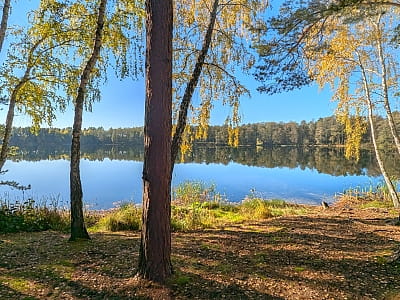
{"x":314,"y":258}
{"x":304,"y":257}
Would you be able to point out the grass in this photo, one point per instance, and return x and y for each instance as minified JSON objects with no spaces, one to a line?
{"x":31,"y":216}
{"x":125,"y":217}
{"x":194,"y":206}
{"x":371,"y":196}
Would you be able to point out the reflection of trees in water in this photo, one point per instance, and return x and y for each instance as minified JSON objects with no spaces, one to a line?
{"x":324,"y":160}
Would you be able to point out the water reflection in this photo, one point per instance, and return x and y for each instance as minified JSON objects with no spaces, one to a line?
{"x":111,"y":174}
{"x":324,"y":160}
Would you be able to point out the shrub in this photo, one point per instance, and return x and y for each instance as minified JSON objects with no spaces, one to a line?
{"x":126,"y":217}
{"x":29,"y":216}
{"x":255,"y":208}
{"x":190,"y":192}
{"x":193,"y":205}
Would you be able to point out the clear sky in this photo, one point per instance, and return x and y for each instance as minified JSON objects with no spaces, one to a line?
{"x":122,"y":103}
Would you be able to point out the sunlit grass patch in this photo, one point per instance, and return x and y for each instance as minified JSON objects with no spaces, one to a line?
{"x":20,"y":284}
{"x":125,"y":217}
{"x":194,"y":205}
{"x":258,"y":208}
{"x":206,"y":208}
{"x":203,"y":215}
{"x":299,"y":269}
{"x":370,"y":196}
{"x":61,"y":269}
{"x":255,"y":208}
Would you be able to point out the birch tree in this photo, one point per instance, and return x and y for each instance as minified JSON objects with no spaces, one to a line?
{"x":31,"y":77}
{"x":211,"y":43}
{"x":99,"y":35}
{"x":78,"y":229}
{"x":348,"y":59}
{"x":4,"y":21}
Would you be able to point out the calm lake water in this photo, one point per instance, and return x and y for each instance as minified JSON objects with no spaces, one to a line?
{"x":114,"y":175}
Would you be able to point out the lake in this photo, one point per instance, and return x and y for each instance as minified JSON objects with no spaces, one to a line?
{"x":113,"y":174}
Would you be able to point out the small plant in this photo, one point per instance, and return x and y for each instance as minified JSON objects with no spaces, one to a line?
{"x":30,"y":216}
{"x":256,"y":208}
{"x":125,"y":217}
{"x":190,"y":192}
{"x":193,"y":204}
{"x":373,"y":195}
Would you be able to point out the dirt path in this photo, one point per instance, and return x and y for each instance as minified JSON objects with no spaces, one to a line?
{"x":332,"y":254}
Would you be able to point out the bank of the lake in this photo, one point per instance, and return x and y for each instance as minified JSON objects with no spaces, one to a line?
{"x":342,"y":252}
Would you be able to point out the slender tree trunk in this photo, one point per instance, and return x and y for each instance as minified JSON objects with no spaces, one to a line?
{"x":389,"y":184}
{"x":78,"y":229}
{"x":7,"y":133}
{"x":384,"y":86}
{"x":155,"y":245}
{"x":190,"y":87}
{"x":10,"y":119}
{"x":11,"y":107}
{"x":4,"y":21}
{"x":13,"y":100}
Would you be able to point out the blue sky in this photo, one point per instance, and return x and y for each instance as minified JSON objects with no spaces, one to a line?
{"x":122,"y":103}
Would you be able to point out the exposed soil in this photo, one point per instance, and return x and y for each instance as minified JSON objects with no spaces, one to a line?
{"x":338,"y":253}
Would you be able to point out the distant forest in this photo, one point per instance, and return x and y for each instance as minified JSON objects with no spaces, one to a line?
{"x":325,"y":131}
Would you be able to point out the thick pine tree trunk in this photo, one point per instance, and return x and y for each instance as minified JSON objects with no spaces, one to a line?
{"x":155,"y":246}
{"x":190,"y":87}
{"x":4,"y":21}
{"x":78,"y":229}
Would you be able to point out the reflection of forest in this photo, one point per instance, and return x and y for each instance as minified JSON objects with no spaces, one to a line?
{"x":324,"y":160}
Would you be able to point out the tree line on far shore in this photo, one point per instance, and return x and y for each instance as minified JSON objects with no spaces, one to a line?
{"x":325,"y":131}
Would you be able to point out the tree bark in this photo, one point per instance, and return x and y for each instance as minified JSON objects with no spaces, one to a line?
{"x":155,"y":245}
{"x":4,"y":21}
{"x":190,"y":87}
{"x":78,"y":229}
{"x":7,"y":133}
{"x":13,"y":100}
{"x":389,"y":183}
{"x":11,"y":111}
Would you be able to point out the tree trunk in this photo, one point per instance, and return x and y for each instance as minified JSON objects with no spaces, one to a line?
{"x":78,"y":229}
{"x":190,"y":87}
{"x":7,"y":133}
{"x":384,"y":86}
{"x":389,"y":184}
{"x":10,"y":119}
{"x":155,"y":245}
{"x":4,"y":21}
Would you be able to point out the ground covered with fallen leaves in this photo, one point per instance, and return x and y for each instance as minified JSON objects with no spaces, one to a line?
{"x":337,"y":253}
